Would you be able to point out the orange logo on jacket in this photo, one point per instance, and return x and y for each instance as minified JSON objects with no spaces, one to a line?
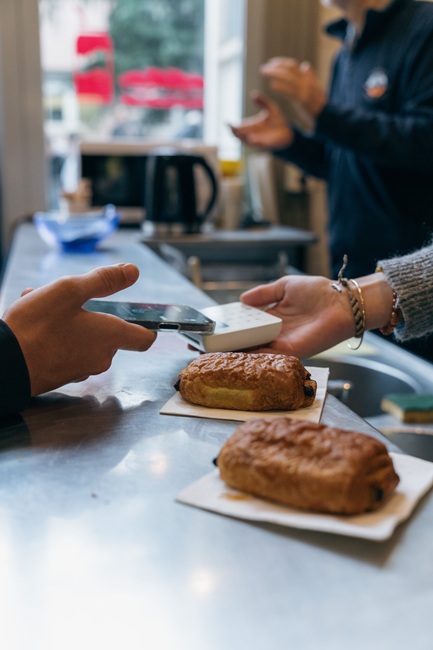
{"x":377,"y":84}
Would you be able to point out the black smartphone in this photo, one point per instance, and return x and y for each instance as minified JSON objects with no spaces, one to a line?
{"x":163,"y":318}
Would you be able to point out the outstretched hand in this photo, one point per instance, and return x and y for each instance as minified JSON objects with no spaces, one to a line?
{"x":61,"y":342}
{"x":268,"y":129}
{"x":315,"y":316}
{"x":298,"y":83}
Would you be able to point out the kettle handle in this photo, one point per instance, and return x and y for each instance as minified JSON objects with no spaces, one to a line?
{"x":214,"y":187}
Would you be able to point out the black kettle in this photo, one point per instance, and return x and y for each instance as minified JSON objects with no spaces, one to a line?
{"x":172,"y":192}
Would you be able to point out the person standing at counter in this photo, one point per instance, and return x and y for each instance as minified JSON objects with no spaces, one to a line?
{"x":369,"y":137}
{"x":319,"y":313}
{"x":48,"y":340}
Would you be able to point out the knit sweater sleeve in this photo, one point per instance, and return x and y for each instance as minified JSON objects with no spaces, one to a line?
{"x":14,"y":375}
{"x":411,"y":277}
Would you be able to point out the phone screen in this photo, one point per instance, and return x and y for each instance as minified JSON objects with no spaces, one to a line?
{"x":161,"y":317}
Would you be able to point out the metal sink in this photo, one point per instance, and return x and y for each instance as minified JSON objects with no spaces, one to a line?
{"x":361,"y":383}
{"x":361,"y":380}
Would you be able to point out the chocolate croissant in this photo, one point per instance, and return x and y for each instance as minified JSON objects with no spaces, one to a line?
{"x":309,"y":466}
{"x":247,"y":382}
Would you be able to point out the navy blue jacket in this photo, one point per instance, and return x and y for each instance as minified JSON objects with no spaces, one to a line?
{"x":373,"y":142}
{"x":14,"y":376}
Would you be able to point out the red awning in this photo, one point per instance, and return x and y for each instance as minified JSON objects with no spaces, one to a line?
{"x":168,"y":78}
{"x":151,"y":87}
{"x":161,"y":88}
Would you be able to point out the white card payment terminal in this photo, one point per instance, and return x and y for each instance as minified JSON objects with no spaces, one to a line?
{"x":238,"y":327}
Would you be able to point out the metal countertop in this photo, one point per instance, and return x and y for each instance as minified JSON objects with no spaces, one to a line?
{"x":96,"y":553}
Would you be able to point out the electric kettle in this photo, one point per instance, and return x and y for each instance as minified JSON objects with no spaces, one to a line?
{"x":180,"y":189}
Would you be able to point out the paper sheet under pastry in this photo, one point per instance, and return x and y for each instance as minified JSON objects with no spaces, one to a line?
{"x":416,"y":478}
{"x":176,"y":405}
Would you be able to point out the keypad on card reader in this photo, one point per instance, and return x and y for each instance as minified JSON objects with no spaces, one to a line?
{"x":238,"y":327}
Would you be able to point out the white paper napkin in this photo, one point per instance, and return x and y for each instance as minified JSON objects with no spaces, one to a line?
{"x":176,"y":405}
{"x":416,"y":478}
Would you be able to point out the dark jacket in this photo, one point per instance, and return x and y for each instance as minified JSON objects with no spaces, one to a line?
{"x":14,"y":376}
{"x":373,"y":142}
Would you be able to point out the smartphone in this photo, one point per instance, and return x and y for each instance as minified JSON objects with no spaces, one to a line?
{"x":163,"y":318}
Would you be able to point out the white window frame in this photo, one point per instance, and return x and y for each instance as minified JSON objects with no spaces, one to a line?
{"x":224,"y":82}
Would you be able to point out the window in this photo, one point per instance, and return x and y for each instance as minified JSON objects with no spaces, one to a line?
{"x":139,"y":69}
{"x":23,"y":111}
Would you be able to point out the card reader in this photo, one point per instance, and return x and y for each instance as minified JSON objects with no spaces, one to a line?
{"x":238,"y":327}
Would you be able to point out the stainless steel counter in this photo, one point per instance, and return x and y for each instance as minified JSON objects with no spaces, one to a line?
{"x":96,"y":553}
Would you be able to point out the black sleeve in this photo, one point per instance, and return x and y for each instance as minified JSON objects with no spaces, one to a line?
{"x":14,"y":375}
{"x":307,"y":152}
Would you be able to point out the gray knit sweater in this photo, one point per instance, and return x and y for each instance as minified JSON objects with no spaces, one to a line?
{"x":411,"y":277}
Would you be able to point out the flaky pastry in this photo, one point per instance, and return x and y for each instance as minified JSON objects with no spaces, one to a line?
{"x":247,"y":382}
{"x":309,"y":466}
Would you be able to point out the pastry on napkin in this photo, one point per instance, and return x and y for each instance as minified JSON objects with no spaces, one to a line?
{"x":309,"y":466}
{"x":247,"y":381}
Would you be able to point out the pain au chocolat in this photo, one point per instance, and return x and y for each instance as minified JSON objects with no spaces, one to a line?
{"x":247,"y":382}
{"x":309,"y":466}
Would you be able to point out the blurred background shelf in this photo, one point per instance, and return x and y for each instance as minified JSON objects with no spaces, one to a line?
{"x":224,"y":263}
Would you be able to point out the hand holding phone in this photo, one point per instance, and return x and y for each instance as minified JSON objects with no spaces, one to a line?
{"x":157,"y":317}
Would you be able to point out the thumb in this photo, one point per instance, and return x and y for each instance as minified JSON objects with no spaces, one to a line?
{"x":261,"y":296}
{"x":260,"y":100}
{"x":105,"y":281}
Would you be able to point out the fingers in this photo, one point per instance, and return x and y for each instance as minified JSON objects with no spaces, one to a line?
{"x":264,"y":104}
{"x":125,"y":336}
{"x":264,"y":294}
{"x":279,"y":65}
{"x":98,"y":283}
{"x":117,"y":333}
{"x":286,"y":75}
{"x":103,"y":281}
{"x":261,"y":101}
{"x":138,"y":338}
{"x":249,"y":134}
{"x":107,"y":280}
{"x":282,"y":61}
{"x":281,"y":70}
{"x":237,"y":131}
{"x":262,"y":349}
{"x":248,"y":125}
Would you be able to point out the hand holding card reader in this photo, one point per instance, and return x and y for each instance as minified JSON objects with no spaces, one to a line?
{"x":238,"y":327}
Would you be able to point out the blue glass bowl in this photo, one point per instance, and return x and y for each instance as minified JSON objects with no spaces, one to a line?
{"x":79,"y":233}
